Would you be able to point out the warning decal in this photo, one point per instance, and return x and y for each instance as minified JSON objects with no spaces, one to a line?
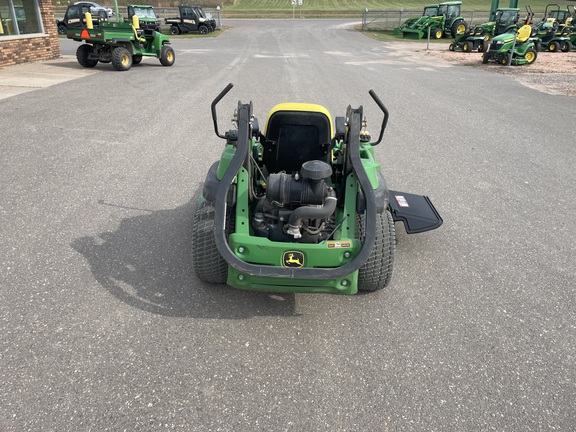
{"x":401,"y":201}
{"x":337,"y":244}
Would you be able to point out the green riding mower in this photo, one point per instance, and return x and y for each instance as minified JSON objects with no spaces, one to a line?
{"x":478,"y":38}
{"x":472,"y":39}
{"x":301,"y":206}
{"x":553,"y":32}
{"x":516,"y":48}
{"x":550,"y":39}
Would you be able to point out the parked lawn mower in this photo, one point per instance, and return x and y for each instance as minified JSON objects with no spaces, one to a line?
{"x":550,"y":39}
{"x":572,"y":35}
{"x":512,"y":48}
{"x":472,"y":39}
{"x":553,"y":34}
{"x":477,"y":38}
{"x":568,"y":28}
{"x":302,"y":205}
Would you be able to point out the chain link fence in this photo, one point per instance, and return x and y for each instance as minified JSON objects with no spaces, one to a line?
{"x":387,"y":20}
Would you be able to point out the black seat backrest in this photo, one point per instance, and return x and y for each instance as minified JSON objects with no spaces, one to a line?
{"x":294,"y":137}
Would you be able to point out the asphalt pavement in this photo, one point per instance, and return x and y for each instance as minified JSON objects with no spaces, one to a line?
{"x":106,"y":327}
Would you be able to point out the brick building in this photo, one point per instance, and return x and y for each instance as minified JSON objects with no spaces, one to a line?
{"x":27,"y":31}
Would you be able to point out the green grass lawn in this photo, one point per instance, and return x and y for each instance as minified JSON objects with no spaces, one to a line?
{"x":329,"y":8}
{"x":325,"y":6}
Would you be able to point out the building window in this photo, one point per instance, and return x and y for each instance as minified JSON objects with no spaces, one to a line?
{"x":20,"y":17}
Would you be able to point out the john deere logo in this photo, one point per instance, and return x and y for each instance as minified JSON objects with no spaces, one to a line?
{"x":293,"y":259}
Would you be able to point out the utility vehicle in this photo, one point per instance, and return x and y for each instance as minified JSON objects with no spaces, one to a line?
{"x":190,"y":19}
{"x":146,"y":16}
{"x":75,"y":17}
{"x":120,"y":43}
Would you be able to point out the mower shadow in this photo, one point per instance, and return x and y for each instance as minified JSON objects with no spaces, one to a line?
{"x":146,"y":263}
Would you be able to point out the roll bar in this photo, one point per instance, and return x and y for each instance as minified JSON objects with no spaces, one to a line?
{"x":242,"y":149}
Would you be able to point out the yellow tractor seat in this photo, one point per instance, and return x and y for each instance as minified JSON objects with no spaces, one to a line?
{"x":523,"y":33}
{"x":295,"y":133}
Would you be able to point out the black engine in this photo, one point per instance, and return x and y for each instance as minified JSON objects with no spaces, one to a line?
{"x":297,"y":207}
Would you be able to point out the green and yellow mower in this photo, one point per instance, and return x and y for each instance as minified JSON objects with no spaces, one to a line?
{"x":301,"y":205}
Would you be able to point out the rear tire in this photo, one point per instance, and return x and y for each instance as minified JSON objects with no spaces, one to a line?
{"x":174,"y":30}
{"x":208,"y":264}
{"x":121,"y":59}
{"x":566,"y":46}
{"x":554,"y":46}
{"x":376,"y":273}
{"x":82,"y":55}
{"x":167,"y":56}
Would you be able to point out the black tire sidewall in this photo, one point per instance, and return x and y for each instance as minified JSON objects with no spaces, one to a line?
{"x":164,"y":55}
{"x":82,"y":56}
{"x":376,"y":272}
{"x":207,"y":262}
{"x":117,"y":54}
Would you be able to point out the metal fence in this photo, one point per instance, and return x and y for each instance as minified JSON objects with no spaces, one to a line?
{"x":387,"y":20}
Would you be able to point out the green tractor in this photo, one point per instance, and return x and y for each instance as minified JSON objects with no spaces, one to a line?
{"x":301,"y":206}
{"x":516,"y":48}
{"x":430,"y":11}
{"x":121,"y":43}
{"x":438,"y":20}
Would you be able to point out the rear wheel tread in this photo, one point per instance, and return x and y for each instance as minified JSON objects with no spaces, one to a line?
{"x":206,"y":259}
{"x":377,"y":272}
